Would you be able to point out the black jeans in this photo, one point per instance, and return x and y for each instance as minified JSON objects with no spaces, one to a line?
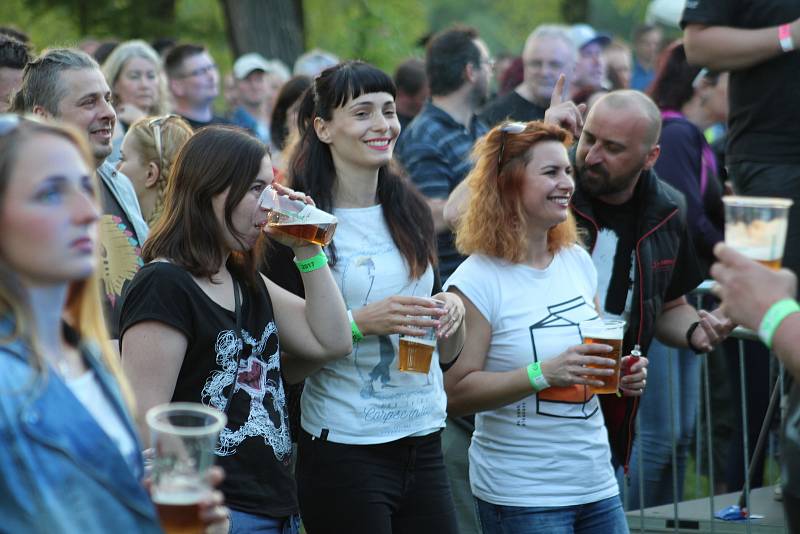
{"x":389,"y":488}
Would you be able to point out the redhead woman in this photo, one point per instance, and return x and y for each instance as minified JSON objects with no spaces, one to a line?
{"x":540,"y":458}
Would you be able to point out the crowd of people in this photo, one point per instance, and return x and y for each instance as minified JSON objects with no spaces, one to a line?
{"x":498,"y":206}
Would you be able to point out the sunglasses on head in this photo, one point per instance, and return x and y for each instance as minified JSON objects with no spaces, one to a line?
{"x":155,"y":125}
{"x":510,"y":128}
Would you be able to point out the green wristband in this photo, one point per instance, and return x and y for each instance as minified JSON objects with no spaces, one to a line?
{"x":774,"y":317}
{"x":357,"y":335}
{"x":312,"y":264}
{"x":536,"y":378}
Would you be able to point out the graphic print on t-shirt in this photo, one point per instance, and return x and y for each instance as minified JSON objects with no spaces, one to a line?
{"x":121,"y":255}
{"x":258,"y":379}
{"x":389,"y":395}
{"x":614,"y":303}
{"x":560,"y":329}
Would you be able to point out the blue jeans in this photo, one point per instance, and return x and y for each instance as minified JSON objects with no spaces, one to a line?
{"x":601,"y":517}
{"x":655,"y":437}
{"x":244,"y":523}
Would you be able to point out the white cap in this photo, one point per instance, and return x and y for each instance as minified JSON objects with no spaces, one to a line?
{"x":313,"y":62}
{"x":248,"y":63}
{"x":584,"y":35}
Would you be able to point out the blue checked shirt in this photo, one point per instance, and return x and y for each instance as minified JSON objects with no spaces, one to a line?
{"x":435,"y":152}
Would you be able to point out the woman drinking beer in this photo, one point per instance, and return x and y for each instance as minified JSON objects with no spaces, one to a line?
{"x":539,"y":458}
{"x":200,"y":324}
{"x":369,"y":452}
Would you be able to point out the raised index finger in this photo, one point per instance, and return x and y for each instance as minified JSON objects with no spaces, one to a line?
{"x":558,"y":91}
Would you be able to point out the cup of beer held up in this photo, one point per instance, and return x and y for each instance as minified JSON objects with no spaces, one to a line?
{"x":183,"y":437}
{"x":605,"y":332}
{"x":297,"y":219}
{"x":756,"y":227}
{"x":416,"y":351}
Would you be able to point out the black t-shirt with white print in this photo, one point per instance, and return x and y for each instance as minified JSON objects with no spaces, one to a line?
{"x":255,"y":447}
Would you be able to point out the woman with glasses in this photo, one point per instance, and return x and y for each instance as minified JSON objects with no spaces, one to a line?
{"x":540,"y":459}
{"x":138,"y":86}
{"x":70,"y":459}
{"x":369,"y":452}
{"x":200,"y":324}
{"x":147,"y":156}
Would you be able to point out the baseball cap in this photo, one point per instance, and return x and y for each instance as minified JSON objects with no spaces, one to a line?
{"x":248,"y":63}
{"x":583,"y":35}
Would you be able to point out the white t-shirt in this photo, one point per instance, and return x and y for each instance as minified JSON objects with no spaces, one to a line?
{"x":549,"y":449}
{"x":88,"y":390}
{"x":364,"y":398}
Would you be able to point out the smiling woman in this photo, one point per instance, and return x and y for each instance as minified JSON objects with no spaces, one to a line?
{"x":363,"y":415}
{"x":524,"y":371}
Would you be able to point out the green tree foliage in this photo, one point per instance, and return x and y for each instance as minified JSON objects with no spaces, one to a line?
{"x":383,"y":32}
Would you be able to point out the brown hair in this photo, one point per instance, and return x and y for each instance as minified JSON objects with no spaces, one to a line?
{"x":215,"y":159}
{"x":83,"y":310}
{"x":174,"y":133}
{"x":494,"y":222}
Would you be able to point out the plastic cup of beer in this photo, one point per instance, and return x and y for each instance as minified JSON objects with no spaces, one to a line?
{"x":756,"y":227}
{"x":605,"y":332}
{"x":183,"y":437}
{"x":296,"y":218}
{"x":416,"y":351}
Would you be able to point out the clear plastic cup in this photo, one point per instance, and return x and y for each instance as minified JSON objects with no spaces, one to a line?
{"x":183,"y":436}
{"x":605,"y":332}
{"x":756,"y":227}
{"x":296,"y":218}
{"x":416,"y":351}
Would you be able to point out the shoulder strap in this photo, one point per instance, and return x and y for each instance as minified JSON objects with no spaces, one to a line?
{"x":237,"y":304}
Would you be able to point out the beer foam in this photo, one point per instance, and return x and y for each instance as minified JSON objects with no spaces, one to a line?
{"x":419,"y":340}
{"x":179,"y":498}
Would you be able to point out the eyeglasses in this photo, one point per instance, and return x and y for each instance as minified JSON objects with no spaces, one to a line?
{"x":155,"y":125}
{"x":510,"y":128}
{"x":8,"y":123}
{"x":199,"y":71}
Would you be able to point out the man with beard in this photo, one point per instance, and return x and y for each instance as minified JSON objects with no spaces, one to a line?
{"x":636,"y":232}
{"x":67,"y":85}
{"x":435,"y":149}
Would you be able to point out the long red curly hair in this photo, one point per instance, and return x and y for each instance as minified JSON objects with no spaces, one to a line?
{"x":494,"y":222}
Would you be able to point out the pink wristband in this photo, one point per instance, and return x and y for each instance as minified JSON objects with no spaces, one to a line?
{"x":785,"y":37}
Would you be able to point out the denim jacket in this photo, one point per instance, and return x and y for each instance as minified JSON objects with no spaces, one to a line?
{"x":59,"y":472}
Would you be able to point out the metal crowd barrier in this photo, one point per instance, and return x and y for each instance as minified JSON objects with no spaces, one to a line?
{"x":697,"y":515}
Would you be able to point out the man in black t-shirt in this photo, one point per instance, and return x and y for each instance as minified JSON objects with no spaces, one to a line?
{"x":638,"y":237}
{"x":758,"y":41}
{"x":194,"y":84}
{"x":549,"y":51}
